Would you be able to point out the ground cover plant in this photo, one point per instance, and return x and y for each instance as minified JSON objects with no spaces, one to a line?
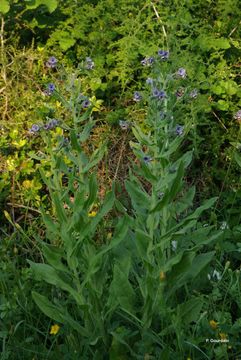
{"x":120,"y":165}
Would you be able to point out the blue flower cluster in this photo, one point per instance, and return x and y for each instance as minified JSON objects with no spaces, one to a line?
{"x":159,"y":94}
{"x":182,"y":73}
{"x":148,"y":61}
{"x":179,"y":130}
{"x":50,"y":89}
{"x":147,"y":159}
{"x":137,"y":96}
{"x":50,"y":125}
{"x":163,"y":54}
{"x":52,"y":62}
{"x":85,"y":104}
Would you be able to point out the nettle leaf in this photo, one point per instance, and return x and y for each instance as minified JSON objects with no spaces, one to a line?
{"x":50,"y":4}
{"x":4,"y":6}
{"x":66,"y":43}
{"x":207,"y":42}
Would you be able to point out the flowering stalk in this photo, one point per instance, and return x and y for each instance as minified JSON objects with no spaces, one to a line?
{"x":162,"y":210}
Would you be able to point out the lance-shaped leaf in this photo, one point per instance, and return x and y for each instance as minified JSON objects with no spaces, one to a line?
{"x":57,"y":313}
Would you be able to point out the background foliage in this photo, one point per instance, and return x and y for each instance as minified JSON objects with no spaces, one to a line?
{"x":203,"y":37}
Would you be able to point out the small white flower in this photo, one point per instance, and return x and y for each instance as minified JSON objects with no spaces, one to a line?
{"x":215,"y":275}
{"x":223,"y":225}
{"x":174,"y":245}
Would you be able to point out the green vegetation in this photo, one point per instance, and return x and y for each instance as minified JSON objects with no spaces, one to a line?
{"x":120,"y":179}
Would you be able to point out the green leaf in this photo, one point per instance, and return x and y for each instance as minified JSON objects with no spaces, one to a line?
{"x":178,"y":276}
{"x":92,"y":191}
{"x":52,"y":311}
{"x":143,"y":244}
{"x":66,"y":43}
{"x":121,"y":291}
{"x":170,"y":195}
{"x":172,"y":261}
{"x":51,"y":276}
{"x":190,"y":310}
{"x":50,"y":4}
{"x":57,"y":313}
{"x":95,"y":158}
{"x":4,"y":6}
{"x":237,"y":158}
{"x":222,"y":105}
{"x":54,"y":256}
{"x":95,"y":262}
{"x":199,"y":263}
{"x":186,"y":202}
{"x":177,"y":183}
{"x":137,"y":195}
{"x":60,"y":211}
{"x":207,"y":205}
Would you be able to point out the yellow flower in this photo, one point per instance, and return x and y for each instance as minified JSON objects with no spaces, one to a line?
{"x":223,"y":336}
{"x":92,"y":213}
{"x":54,"y":329}
{"x":162,"y":276}
{"x":27,"y":184}
{"x":213,"y":324}
{"x":58,"y":104}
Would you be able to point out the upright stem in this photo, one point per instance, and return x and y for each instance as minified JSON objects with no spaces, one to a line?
{"x":4,"y":68}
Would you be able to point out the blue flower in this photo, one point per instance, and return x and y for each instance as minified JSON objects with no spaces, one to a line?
{"x":179,"y":130}
{"x":89,"y":63}
{"x":52,"y":62}
{"x":237,"y":116}
{"x":86,"y":104}
{"x":137,"y":96}
{"x":51,"y":124}
{"x":163,"y":54}
{"x":147,"y":159}
{"x":147,"y":61}
{"x":159,"y":94}
{"x":124,"y":124}
{"x":149,"y":81}
{"x":50,"y":89}
{"x":34,"y":129}
{"x":181,"y":73}
{"x":144,"y":62}
{"x":151,"y":60}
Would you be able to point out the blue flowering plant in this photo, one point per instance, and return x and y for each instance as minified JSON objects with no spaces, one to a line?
{"x":169,"y":248}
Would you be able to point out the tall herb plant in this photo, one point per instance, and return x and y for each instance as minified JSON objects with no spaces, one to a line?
{"x":131,"y":292}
